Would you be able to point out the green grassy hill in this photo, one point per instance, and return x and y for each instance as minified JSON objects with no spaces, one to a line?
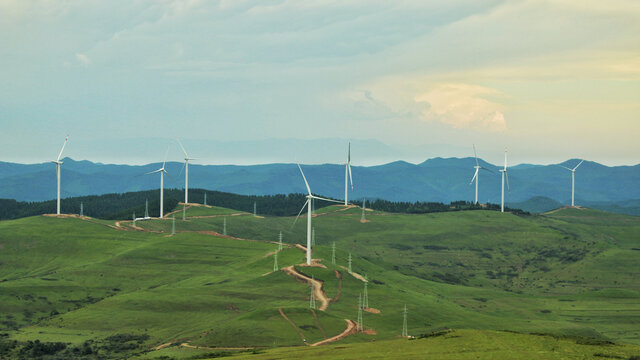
{"x":105,"y":288}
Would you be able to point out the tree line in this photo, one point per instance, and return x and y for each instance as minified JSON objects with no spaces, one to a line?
{"x":124,"y":205}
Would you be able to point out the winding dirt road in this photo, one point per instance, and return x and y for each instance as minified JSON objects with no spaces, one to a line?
{"x":350,"y":330}
{"x":317,"y":286}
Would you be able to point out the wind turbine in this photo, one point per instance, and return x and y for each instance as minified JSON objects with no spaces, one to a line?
{"x":309,"y":197}
{"x":477,"y":167}
{"x":573,"y":180}
{"x":162,"y":171}
{"x":504,"y":175}
{"x":347,"y":171}
{"x":186,"y":172}
{"x":58,"y":163}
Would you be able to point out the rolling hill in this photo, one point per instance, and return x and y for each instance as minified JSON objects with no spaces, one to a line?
{"x":87,"y":288}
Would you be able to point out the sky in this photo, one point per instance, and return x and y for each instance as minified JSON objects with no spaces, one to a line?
{"x":404,"y":80}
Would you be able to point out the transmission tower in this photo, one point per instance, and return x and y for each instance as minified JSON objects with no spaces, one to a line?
{"x":359,"y":321}
{"x":224,"y":226}
{"x":312,"y":298}
{"x":405,"y":333}
{"x":205,"y":199}
{"x":313,"y":236}
{"x":365,"y":297}
{"x":173,"y":225}
{"x":184,"y":212}
{"x":364,"y":205}
{"x":333,"y":253}
{"x":349,"y":268}
{"x":275,"y":261}
{"x":146,"y":208}
{"x":134,"y":218}
{"x":255,"y":209}
{"x":81,"y":209}
{"x":280,"y":241}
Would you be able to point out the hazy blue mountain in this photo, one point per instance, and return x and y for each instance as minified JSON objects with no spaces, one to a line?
{"x":437,"y":179}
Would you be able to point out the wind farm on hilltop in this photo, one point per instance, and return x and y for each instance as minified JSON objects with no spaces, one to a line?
{"x":221,"y":282}
{"x":202,"y":204}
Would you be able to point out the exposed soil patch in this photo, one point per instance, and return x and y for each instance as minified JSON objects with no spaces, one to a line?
{"x":356,"y":275}
{"x":350,"y":330}
{"x":317,"y":286}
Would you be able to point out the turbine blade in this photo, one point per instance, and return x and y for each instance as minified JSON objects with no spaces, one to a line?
{"x":325,"y":199}
{"x":299,"y":212}
{"x":165,"y":156}
{"x":505,"y":159}
{"x":474,"y":176}
{"x":305,"y":180}
{"x":350,"y":176}
{"x":485,"y":169}
{"x":184,"y":164}
{"x":61,"y":150}
{"x":182,"y":147}
{"x":153,"y":172}
{"x":475,"y":154}
{"x":170,"y":177}
{"x":506,"y":175}
{"x":574,"y":169}
{"x":562,"y":166}
{"x":349,"y":154}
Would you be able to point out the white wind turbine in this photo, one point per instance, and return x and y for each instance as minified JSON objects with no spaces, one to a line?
{"x":573,"y":180}
{"x":310,"y":197}
{"x":504,"y":175}
{"x":186,"y":172}
{"x":58,"y":163}
{"x":162,"y":171}
{"x":477,"y":167}
{"x":347,"y":171}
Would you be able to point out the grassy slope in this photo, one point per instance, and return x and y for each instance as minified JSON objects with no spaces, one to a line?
{"x":572,"y":271}
{"x":459,"y":344}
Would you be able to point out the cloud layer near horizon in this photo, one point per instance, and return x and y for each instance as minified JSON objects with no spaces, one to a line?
{"x":525,"y":74}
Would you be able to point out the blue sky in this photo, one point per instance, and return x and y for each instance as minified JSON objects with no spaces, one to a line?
{"x":550,"y":80}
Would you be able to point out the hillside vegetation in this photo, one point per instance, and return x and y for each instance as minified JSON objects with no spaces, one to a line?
{"x":87,"y":288}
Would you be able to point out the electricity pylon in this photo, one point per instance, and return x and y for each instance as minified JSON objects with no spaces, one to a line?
{"x":312,"y":298}
{"x":275,"y":261}
{"x":333,"y":253}
{"x":360,"y":321}
{"x":405,"y":333}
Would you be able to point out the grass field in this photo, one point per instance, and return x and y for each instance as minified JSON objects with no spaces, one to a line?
{"x":572,"y":272}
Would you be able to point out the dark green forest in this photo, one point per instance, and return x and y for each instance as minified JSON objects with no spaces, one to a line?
{"x":122,"y":206}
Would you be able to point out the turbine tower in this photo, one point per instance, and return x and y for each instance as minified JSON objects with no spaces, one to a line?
{"x":477,"y":167}
{"x":310,"y":197}
{"x":347,"y":173}
{"x":573,"y":181}
{"x":186,"y":174}
{"x":162,"y":171}
{"x":504,"y":175}
{"x":58,"y":163}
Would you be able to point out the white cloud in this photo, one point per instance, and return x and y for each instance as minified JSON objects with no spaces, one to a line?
{"x":463,"y":106}
{"x":83,"y":59}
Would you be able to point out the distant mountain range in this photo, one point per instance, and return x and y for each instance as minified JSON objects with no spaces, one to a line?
{"x":437,"y":179}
